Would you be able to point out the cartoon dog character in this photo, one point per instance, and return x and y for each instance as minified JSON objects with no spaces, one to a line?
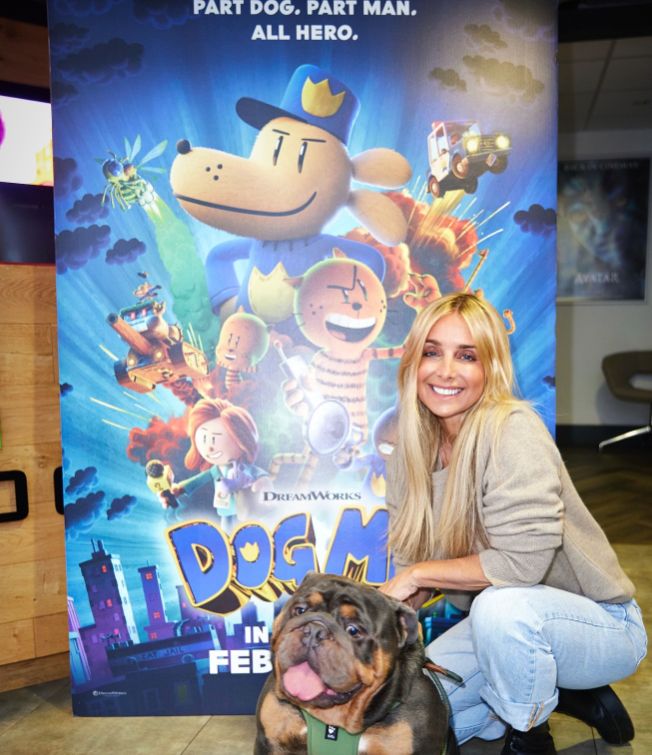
{"x":348,"y":677}
{"x":278,"y":200}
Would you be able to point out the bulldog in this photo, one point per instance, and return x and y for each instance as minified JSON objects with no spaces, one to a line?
{"x":348,"y":677}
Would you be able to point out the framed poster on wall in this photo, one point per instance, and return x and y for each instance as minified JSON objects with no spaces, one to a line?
{"x":602,"y":229}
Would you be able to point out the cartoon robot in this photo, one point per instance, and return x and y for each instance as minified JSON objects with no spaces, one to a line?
{"x":327,"y":426}
{"x":158,"y":353}
{"x":145,"y":290}
{"x":458,"y":153}
{"x":279,"y":199}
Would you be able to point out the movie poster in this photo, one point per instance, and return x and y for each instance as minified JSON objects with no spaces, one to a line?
{"x":253,"y":198}
{"x":602,"y":241}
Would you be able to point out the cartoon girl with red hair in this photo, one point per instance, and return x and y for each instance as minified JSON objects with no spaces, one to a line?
{"x":223,"y":445}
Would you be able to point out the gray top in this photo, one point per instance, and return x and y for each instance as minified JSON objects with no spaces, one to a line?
{"x":538,"y":528}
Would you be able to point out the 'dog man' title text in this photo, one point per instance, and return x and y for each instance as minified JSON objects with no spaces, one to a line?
{"x":221,"y":572}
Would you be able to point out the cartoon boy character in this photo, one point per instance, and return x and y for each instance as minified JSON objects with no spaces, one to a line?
{"x":244,"y":341}
{"x":279,"y":199}
{"x":223,"y":444}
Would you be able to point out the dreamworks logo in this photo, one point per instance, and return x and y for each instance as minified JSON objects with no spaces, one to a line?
{"x":313,"y":495}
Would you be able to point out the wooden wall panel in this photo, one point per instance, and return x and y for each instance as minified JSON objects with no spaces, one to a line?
{"x":39,"y":537}
{"x":16,"y":641}
{"x":38,"y":463}
{"x":29,"y":415}
{"x":24,"y":53}
{"x":25,"y":338}
{"x":34,"y":628}
{"x":33,"y":589}
{"x":51,"y":634}
{"x":38,"y":370}
{"x":34,"y":671}
{"x":7,"y":496}
{"x":55,"y":343}
{"x":32,"y":553}
{"x":28,"y":295}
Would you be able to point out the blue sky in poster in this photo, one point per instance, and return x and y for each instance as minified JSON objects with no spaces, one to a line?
{"x":127,"y":71}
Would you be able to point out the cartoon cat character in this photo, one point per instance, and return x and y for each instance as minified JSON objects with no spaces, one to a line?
{"x":341,"y":307}
{"x":279,"y":199}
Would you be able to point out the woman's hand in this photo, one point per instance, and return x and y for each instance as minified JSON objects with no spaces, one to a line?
{"x":415,"y":584}
{"x":404,"y":587}
{"x":417,"y":599}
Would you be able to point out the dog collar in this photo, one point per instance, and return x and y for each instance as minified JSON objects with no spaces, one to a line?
{"x":324,"y":739}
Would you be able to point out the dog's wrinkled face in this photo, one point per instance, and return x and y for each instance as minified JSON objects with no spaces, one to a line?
{"x":336,"y":642}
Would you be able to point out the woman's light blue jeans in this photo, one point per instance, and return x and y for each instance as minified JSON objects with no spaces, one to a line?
{"x":519,"y":644}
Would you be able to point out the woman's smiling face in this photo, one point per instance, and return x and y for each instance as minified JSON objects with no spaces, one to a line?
{"x":450,"y":378}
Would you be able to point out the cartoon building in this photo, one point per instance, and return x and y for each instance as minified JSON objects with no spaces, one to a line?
{"x":156,"y":654}
{"x":186,"y":608}
{"x":159,"y":627}
{"x":79,"y":668}
{"x":111,"y":607}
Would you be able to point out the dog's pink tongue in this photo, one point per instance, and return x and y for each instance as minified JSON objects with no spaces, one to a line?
{"x":302,"y":682}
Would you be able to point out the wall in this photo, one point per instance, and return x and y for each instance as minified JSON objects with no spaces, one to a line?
{"x":33,"y":623}
{"x":587,"y":332}
{"x":24,"y":57}
{"x":33,"y":608}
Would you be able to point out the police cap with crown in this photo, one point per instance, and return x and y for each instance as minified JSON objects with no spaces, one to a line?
{"x":312,"y":96}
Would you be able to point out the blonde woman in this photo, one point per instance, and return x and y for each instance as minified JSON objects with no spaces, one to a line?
{"x":482,"y":508}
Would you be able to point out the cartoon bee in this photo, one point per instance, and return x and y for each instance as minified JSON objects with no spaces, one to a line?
{"x":124,"y":185}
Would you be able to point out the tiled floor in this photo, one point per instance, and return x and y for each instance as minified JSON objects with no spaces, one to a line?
{"x":39,"y":720}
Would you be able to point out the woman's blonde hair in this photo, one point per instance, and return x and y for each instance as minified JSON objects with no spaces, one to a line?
{"x":414,"y":535}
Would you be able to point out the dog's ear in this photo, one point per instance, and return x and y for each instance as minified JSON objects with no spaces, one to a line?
{"x":379,"y":215}
{"x":381,"y":167}
{"x":408,"y":624}
{"x":309,"y":577}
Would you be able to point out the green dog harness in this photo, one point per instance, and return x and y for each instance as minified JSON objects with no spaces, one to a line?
{"x":324,"y":739}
